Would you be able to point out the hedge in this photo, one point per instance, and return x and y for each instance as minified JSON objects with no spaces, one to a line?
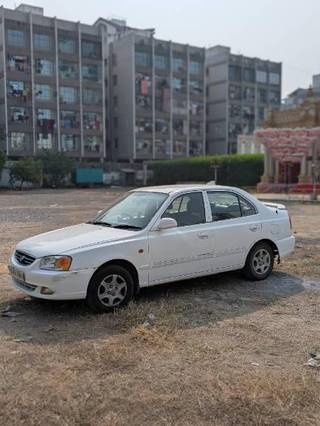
{"x":235,"y":170}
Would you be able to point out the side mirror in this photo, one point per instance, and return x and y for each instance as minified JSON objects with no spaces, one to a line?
{"x":167,"y":223}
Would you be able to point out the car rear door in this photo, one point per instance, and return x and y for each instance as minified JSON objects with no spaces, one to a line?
{"x":181,"y":252}
{"x":236,"y":226}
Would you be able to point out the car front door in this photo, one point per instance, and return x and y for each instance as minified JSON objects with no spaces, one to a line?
{"x":184,"y":251}
{"x":236,"y":226}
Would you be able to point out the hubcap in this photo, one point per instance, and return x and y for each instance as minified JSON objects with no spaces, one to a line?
{"x":112,"y":290}
{"x":261,"y":261}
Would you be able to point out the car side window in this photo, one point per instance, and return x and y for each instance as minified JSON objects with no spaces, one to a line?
{"x":224,"y":206}
{"x":247,"y":209}
{"x":187,"y":209}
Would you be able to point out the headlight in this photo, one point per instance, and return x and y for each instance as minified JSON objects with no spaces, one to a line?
{"x":56,"y":263}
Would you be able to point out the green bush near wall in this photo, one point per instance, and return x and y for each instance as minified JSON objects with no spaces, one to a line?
{"x":234,"y":170}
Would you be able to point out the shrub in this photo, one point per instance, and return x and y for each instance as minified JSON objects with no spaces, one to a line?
{"x":26,"y":170}
{"x":235,"y":170}
{"x":56,"y":167}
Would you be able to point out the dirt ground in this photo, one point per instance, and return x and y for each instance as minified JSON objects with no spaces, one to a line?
{"x":221,"y":350}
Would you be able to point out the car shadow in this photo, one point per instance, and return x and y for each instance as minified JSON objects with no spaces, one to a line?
{"x":192,"y":303}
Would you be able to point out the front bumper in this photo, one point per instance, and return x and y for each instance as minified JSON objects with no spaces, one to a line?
{"x":71,"y":285}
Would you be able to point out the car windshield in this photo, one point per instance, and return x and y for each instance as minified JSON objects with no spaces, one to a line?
{"x":132,"y":212}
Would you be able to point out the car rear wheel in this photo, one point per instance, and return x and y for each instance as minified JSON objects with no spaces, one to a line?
{"x":259,"y":263}
{"x":110,"y":288}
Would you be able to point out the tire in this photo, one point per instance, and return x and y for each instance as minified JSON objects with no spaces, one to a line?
{"x":110,"y":288}
{"x":259,"y":263}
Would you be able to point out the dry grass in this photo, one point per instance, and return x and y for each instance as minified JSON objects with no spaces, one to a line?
{"x":219,"y":351}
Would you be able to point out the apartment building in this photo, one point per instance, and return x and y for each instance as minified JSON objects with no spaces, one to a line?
{"x":52,"y":87}
{"x":157,"y":98}
{"x":240,"y":90}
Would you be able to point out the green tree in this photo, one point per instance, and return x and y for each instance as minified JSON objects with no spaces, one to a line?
{"x":56,"y":167}
{"x":26,"y":170}
{"x":2,"y":160}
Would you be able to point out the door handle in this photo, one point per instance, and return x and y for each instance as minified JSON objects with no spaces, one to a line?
{"x":203,"y":236}
{"x":254,"y":228}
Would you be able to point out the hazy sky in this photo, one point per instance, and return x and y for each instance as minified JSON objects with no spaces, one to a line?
{"x":280,"y":30}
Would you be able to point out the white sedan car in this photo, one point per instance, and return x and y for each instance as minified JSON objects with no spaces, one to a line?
{"x":152,"y":236}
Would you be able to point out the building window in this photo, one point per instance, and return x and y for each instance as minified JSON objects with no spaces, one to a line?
{"x":274,"y":78}
{"x":92,"y":144}
{"x":248,"y":75}
{"x":195,"y":67}
{"x":144,"y":125}
{"x":43,"y":67}
{"x":115,"y":122}
{"x":196,"y":128}
{"x":92,"y":121}
{"x":19,"y":115}
{"x":263,"y":98}
{"x":144,"y":148}
{"x":162,"y":148}
{"x":179,"y":148}
{"x":46,"y":121}
{"x":180,"y":127}
{"x":196,"y":108}
{"x":16,"y":38}
{"x":90,"y":49}
{"x":91,"y":96}
{"x":178,"y":64}
{"x":234,"y":92}
{"x":17,"y":63}
{"x":70,"y":143}
{"x":45,"y":114}
{"x":67,"y":45}
{"x":43,"y":92}
{"x":161,"y":62}
{"x":91,"y":72}
{"x":143,"y":59}
{"x":45,"y":141}
{"x":234,"y":73}
{"x":178,"y":85}
{"x":18,"y":89}
{"x":262,"y":113}
{"x":115,"y":80}
{"x":68,"y":95}
{"x":262,"y":77}
{"x":70,"y":120}
{"x":162,"y":126}
{"x":19,"y":141}
{"x":180,"y":106}
{"x":274,"y":97}
{"x":68,"y":70}
{"x":196,"y":87}
{"x":248,"y":94}
{"x":196,"y":148}
{"x":42,"y":42}
{"x":144,"y":91}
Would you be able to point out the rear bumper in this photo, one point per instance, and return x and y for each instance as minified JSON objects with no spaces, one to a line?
{"x":286,"y":246}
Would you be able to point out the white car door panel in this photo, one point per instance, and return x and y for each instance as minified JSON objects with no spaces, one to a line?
{"x":236,"y":227}
{"x":184,"y":251}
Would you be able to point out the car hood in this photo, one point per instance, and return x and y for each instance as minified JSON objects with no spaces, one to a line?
{"x":75,"y":237}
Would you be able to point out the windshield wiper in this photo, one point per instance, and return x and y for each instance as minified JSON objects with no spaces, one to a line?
{"x":127,"y":226}
{"x":100,"y":223}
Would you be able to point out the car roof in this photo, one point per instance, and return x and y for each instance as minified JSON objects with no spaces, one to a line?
{"x":175,"y":189}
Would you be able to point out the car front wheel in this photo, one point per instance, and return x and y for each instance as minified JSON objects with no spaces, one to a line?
{"x":259,"y":263}
{"x":110,"y":288}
